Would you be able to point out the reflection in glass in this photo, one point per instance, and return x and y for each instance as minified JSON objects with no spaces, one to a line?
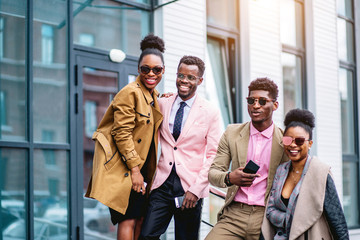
{"x":222,"y":13}
{"x":13,"y":70}
{"x":345,"y":41}
{"x":217,"y":85}
{"x":12,"y":190}
{"x":292,"y":23}
{"x":292,"y":78}
{"x":111,"y":25}
{"x":347,"y":111}
{"x":351,"y":193}
{"x":216,"y":204}
{"x":50,"y":91}
{"x":50,"y":191}
{"x":99,"y":88}
{"x":345,"y":8}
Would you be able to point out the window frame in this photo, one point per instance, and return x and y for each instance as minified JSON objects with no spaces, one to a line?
{"x":299,"y":52}
{"x":230,"y":39}
{"x":351,"y":66}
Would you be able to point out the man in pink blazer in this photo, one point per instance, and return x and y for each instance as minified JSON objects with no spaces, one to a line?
{"x":189,"y":137}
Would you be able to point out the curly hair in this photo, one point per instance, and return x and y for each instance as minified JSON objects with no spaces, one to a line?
{"x":300,"y":118}
{"x":192,"y":60}
{"x":265,"y":84}
{"x":152,"y":44}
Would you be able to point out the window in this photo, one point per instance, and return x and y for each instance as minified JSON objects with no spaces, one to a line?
{"x":86,"y":39}
{"x":53,"y":186}
{"x":349,"y":113}
{"x":90,"y":118}
{"x":1,"y":37}
{"x":293,"y":53}
{"x":47,"y":43}
{"x":221,"y":61}
{"x":3,"y":117}
{"x":218,"y":91}
{"x":49,"y":156}
{"x":111,"y":24}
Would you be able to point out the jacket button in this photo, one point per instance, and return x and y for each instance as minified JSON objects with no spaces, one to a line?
{"x":139,"y":140}
{"x":170,"y":163}
{"x":148,"y":121}
{"x":126,"y":174}
{"x":175,"y":148}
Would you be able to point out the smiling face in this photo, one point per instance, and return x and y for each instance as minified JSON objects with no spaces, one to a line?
{"x":187,"y":88}
{"x":293,"y":151}
{"x":150,"y":80}
{"x":261,"y":116}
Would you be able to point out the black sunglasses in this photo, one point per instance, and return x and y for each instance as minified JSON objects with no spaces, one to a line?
{"x":155,"y":70}
{"x":287,"y":141}
{"x":262,"y":101}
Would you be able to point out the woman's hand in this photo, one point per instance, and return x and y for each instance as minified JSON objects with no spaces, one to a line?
{"x":137,"y":180}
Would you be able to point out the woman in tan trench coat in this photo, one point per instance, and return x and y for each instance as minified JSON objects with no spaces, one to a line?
{"x":126,"y":144}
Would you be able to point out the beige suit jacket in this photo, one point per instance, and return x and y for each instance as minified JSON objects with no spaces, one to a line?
{"x":233,"y":149}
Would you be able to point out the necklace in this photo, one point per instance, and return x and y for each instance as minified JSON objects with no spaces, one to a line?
{"x":295,"y":173}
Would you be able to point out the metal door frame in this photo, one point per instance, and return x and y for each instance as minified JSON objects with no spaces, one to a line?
{"x":99,"y":59}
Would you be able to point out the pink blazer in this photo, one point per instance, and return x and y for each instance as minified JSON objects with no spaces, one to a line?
{"x":195,"y":148}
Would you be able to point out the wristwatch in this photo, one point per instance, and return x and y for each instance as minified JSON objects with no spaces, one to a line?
{"x":227,"y":180}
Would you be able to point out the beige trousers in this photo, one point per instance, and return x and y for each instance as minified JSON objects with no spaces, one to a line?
{"x":238,"y":221}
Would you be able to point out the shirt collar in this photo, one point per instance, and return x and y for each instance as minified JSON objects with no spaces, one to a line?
{"x":188,"y":102}
{"x":266,"y":133}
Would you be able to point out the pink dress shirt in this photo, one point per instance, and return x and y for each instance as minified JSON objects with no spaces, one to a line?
{"x":259,"y":150}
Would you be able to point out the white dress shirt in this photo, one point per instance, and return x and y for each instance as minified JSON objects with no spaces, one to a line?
{"x":174,"y":109}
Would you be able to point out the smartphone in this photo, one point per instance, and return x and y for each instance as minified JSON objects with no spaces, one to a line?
{"x":179,"y":201}
{"x":251,"y":167}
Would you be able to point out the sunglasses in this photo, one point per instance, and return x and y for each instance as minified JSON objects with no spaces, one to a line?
{"x":287,"y":141}
{"x":189,"y":76}
{"x":262,"y":101}
{"x":155,"y":70}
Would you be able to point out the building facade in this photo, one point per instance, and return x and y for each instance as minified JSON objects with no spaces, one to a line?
{"x":56,"y":81}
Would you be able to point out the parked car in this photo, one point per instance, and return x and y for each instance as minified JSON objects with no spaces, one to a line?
{"x":6,"y":218}
{"x":45,"y":229}
{"x":96,"y":215}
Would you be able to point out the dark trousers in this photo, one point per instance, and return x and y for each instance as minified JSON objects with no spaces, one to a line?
{"x":162,"y":208}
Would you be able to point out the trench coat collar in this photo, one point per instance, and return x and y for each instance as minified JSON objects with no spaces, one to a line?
{"x":148,"y":96}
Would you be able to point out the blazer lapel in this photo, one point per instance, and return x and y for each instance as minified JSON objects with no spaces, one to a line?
{"x":241,"y":144}
{"x":277,"y":152}
{"x":166,"y":113}
{"x":191,"y":119}
{"x":310,"y":202}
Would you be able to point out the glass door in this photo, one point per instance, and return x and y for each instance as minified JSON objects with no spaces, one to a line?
{"x":98,"y":81}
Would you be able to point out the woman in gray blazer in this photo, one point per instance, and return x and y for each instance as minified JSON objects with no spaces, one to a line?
{"x":303,"y":202}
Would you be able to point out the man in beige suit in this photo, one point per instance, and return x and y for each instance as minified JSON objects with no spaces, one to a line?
{"x":259,"y":141}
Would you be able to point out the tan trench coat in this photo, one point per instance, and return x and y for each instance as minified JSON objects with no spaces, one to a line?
{"x":122,"y":141}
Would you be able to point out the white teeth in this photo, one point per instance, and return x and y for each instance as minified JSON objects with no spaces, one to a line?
{"x":184,"y":88}
{"x":293,"y":151}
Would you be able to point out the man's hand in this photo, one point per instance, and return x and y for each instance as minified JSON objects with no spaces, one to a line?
{"x":190,"y":200}
{"x":137,"y":180}
{"x":241,"y":179}
{"x":167,"y":95}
